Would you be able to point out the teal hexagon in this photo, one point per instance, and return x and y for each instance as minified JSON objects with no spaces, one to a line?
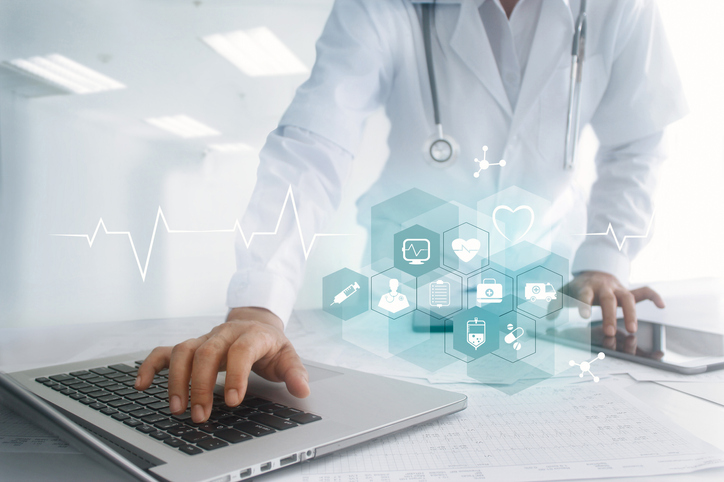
{"x":439,"y":293}
{"x":475,"y":332}
{"x":345,"y":294}
{"x":417,"y":250}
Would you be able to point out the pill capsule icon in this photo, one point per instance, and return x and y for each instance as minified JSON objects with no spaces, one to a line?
{"x":513,"y":336}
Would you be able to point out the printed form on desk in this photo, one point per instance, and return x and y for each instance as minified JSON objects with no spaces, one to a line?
{"x":572,"y":431}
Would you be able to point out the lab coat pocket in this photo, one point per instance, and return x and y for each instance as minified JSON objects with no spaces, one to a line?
{"x":553,"y":105}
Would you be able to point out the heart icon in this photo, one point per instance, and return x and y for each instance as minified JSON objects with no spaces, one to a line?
{"x":466,"y":250}
{"x":513,"y":211}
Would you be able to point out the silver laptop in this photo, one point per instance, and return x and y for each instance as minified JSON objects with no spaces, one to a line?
{"x":269,"y":430}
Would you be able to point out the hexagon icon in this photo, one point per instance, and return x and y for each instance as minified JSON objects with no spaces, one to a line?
{"x":393,"y":293}
{"x":345,"y":294}
{"x":475,"y":332}
{"x":517,"y":337}
{"x":538,"y":291}
{"x":439,"y":293}
{"x":465,"y":248}
{"x":417,"y":250}
{"x":493,"y":290}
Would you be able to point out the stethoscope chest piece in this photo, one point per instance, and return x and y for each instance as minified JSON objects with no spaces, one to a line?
{"x":440,"y":150}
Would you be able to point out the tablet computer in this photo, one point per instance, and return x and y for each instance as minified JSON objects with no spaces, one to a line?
{"x":682,"y":350}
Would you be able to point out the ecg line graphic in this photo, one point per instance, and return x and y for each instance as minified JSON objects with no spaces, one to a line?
{"x":160,"y":217}
{"x":414,"y":251}
{"x":621,"y":243}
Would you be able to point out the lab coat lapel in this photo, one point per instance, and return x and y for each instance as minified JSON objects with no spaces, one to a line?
{"x":552,"y":42}
{"x":470,"y":42}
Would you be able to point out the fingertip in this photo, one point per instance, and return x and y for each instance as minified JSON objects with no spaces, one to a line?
{"x":584,"y":311}
{"x":297,"y":383}
{"x":609,"y":330}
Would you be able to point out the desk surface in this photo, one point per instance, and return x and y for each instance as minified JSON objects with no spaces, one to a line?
{"x":33,"y":347}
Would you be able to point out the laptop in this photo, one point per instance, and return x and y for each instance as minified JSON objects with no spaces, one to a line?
{"x":271,"y":429}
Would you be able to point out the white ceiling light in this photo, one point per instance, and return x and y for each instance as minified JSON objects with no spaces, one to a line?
{"x":183,"y":126}
{"x":66,"y":73}
{"x":256,"y":52}
{"x":235,"y":147}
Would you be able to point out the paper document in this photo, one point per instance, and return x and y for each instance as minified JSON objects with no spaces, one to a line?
{"x":577,"y":431}
{"x":17,"y":435}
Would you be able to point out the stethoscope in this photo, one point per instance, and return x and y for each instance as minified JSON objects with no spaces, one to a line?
{"x":441,"y":148}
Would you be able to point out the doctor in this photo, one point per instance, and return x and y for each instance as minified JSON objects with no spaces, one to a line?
{"x":502,"y":71}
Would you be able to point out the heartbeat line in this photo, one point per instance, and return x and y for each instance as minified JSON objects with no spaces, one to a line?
{"x":621,"y":243}
{"x":160,"y":217}
{"x":414,"y":251}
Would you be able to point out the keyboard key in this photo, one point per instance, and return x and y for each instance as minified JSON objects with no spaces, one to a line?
{"x":109,"y":398}
{"x":136,"y":396}
{"x":158,"y":435}
{"x":272,"y":421}
{"x":124,"y":379}
{"x":155,"y":391}
{"x":129,"y":383}
{"x":99,"y":394}
{"x":230,"y":419}
{"x":86,"y":376}
{"x":77,"y":396}
{"x":144,"y":412}
{"x":163,"y":372}
{"x":305,"y":418}
{"x":102,"y":371}
{"x":232,"y":436}
{"x":57,"y":387}
{"x":158,"y":405}
{"x":115,"y":375}
{"x":182,"y":417}
{"x":166,"y":424}
{"x":126,"y":391}
{"x":254,"y":429}
{"x":61,"y":377}
{"x":49,"y":383}
{"x":212,"y":444}
{"x":115,"y":388}
{"x":129,"y":408}
{"x":42,"y":379}
{"x":79,"y":385}
{"x":255,"y":402}
{"x":86,"y":401}
{"x":106,"y":383}
{"x":123,"y":368}
{"x":272,"y":407}
{"x":139,"y":362}
{"x":131,"y":422}
{"x":180,"y":430}
{"x":211,"y":427}
{"x":287,"y":413}
{"x":145,"y":429}
{"x":96,"y":406}
{"x":80,"y":372}
{"x":119,"y":403}
{"x":154,"y":418}
{"x":87,"y":390}
{"x":190,"y":450}
{"x":109,"y":411}
{"x":166,"y":411}
{"x":121,"y":417}
{"x":174,"y":442}
{"x":70,"y":381}
{"x":195,"y":436}
{"x":67,"y":391}
{"x":146,"y":401}
{"x":95,"y":380}
{"x":242,"y":411}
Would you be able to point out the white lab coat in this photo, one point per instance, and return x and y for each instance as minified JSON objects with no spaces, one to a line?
{"x":371,"y":54}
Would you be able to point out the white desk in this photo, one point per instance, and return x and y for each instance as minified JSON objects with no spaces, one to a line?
{"x":26,"y":348}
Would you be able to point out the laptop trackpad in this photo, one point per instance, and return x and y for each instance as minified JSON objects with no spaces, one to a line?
{"x":316,"y":374}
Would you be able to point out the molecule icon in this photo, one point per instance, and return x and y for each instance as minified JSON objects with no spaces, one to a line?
{"x":484,"y":163}
{"x":586,"y":366}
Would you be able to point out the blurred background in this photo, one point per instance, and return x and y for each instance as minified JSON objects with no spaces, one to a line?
{"x":176,"y":123}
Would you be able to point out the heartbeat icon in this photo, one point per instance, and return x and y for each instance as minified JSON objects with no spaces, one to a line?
{"x":143,"y":269}
{"x":621,"y":243}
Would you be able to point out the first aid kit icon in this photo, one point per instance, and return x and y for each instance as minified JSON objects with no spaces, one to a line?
{"x":490,"y":291}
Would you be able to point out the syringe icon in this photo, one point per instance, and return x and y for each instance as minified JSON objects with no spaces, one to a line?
{"x":346,"y":293}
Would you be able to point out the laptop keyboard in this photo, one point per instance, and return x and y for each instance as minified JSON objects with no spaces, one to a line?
{"x":110,"y":391}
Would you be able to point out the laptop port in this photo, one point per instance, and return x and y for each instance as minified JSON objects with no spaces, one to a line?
{"x":266,"y":466}
{"x":288,"y":460}
{"x":245,"y":473}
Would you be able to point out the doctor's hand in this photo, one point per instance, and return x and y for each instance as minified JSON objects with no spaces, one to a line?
{"x":598,"y":288}
{"x":250,"y":339}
